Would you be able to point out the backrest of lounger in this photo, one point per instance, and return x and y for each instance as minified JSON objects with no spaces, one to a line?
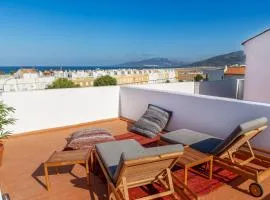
{"x":239,"y":132}
{"x":147,"y":165}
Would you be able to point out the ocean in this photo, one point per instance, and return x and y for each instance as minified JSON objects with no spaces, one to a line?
{"x":11,"y":69}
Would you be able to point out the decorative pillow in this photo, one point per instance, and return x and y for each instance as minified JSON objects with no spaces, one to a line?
{"x":89,"y":132}
{"x":89,"y":142}
{"x":87,"y":138}
{"x":153,"y":121}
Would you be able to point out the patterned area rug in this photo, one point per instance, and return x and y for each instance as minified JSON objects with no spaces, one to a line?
{"x":141,"y":139}
{"x":198,"y":184}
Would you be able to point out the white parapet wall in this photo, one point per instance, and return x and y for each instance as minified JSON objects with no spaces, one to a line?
{"x":186,"y":87}
{"x":44,"y":109}
{"x":214,"y":115}
{"x":230,"y":88}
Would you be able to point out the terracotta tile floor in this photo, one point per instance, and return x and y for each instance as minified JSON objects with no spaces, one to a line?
{"x":22,"y":174}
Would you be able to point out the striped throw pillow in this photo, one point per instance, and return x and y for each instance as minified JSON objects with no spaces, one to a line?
{"x":153,"y":121}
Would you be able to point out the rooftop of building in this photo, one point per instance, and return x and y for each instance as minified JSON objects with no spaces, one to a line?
{"x":22,"y":173}
{"x":199,"y":68}
{"x":239,"y":70}
{"x":55,"y":113}
{"x":27,"y":70}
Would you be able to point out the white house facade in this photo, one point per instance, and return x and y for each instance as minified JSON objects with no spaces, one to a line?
{"x":257,"y":78}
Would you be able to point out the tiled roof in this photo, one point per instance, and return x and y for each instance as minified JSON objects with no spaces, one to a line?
{"x":235,"y":71}
{"x":30,"y":71}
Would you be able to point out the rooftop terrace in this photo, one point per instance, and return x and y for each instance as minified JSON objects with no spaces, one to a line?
{"x":47,"y":117}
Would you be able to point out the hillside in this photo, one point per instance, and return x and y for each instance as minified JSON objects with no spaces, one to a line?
{"x":237,"y":57}
{"x":153,"y":62}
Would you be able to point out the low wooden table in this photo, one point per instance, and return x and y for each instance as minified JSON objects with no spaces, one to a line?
{"x":192,"y":158}
{"x":63,"y":158}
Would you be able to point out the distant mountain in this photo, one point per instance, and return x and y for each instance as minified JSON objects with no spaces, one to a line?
{"x":237,"y":57}
{"x":153,"y":62}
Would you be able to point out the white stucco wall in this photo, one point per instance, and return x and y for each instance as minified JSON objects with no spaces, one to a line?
{"x":37,"y":110}
{"x":257,"y":79}
{"x":217,"y":116}
{"x":186,"y":87}
{"x":222,"y":88}
{"x":214,"y":115}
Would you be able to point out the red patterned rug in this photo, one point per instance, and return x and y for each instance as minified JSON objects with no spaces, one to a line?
{"x":141,"y":139}
{"x":196,"y":183}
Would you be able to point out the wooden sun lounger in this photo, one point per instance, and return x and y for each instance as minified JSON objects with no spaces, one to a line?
{"x":235,"y":153}
{"x":143,"y":171}
{"x":247,"y":161}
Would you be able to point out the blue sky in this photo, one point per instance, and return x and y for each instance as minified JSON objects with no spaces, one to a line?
{"x":102,"y":32}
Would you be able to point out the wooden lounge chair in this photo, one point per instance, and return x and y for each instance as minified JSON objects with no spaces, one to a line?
{"x":235,"y":153}
{"x":126,"y":164}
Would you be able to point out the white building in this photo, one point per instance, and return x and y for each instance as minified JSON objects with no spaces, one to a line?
{"x":26,"y":73}
{"x":98,"y":73}
{"x":61,"y":74}
{"x":257,"y":78}
{"x":153,"y":77}
{"x":79,"y":74}
{"x":12,"y":84}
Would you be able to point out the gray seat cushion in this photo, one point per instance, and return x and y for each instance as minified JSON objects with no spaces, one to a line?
{"x":152,"y":151}
{"x":199,"y":141}
{"x":207,"y":143}
{"x":110,"y":152}
{"x":239,"y":131}
{"x":153,"y":121}
{"x":113,"y":154}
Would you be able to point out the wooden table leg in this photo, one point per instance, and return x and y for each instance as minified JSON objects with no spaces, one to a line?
{"x":185,"y":175}
{"x":211,"y":169}
{"x":47,"y":177}
{"x":87,"y":171}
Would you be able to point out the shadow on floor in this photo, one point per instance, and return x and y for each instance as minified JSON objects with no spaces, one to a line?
{"x":237,"y":182}
{"x":234,"y":183}
{"x":267,"y":197}
{"x":96,"y":187}
{"x":38,"y":174}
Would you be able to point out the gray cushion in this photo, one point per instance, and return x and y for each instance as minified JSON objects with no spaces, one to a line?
{"x":238,"y":131}
{"x":200,"y":141}
{"x":153,"y":121}
{"x":110,"y":152}
{"x":152,"y":151}
{"x":146,"y":152}
{"x":113,"y":154}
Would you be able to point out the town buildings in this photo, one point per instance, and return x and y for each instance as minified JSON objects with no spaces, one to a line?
{"x":234,"y":72}
{"x":208,"y":73}
{"x":84,"y":82}
{"x":31,"y":79}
